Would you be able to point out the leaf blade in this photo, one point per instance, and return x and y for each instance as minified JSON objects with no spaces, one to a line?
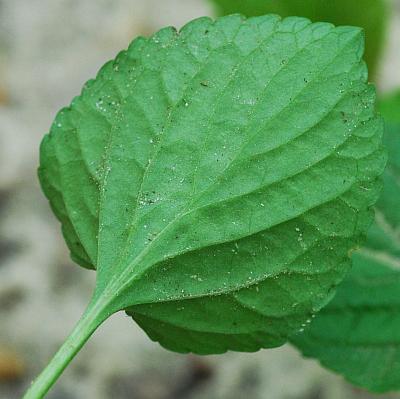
{"x":164,"y":165}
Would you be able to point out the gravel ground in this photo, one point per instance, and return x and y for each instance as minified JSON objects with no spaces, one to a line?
{"x":48,"y":49}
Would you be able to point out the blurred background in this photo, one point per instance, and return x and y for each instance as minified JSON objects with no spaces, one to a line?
{"x":48,"y":49}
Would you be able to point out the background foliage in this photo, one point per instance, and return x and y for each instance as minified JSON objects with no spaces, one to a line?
{"x":369,"y":14}
{"x":357,"y":334}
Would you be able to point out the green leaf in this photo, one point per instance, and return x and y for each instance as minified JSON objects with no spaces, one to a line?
{"x":385,"y":233}
{"x":372,"y":16}
{"x":216,"y":178}
{"x":357,"y":334}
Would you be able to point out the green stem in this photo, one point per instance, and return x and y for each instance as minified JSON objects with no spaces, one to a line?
{"x":94,"y":315}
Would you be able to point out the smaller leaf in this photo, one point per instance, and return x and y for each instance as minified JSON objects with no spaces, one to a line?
{"x":385,"y":233}
{"x":357,"y":334}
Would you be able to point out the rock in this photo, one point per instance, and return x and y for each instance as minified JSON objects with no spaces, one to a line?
{"x":12,"y":367}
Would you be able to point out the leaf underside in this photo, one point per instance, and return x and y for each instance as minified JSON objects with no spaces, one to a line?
{"x":357,"y":334}
{"x":217,"y":177}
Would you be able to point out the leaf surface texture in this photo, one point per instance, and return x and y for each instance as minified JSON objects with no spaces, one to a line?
{"x":217,"y":177}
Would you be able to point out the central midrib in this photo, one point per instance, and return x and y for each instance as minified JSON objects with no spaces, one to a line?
{"x":124,"y":279}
